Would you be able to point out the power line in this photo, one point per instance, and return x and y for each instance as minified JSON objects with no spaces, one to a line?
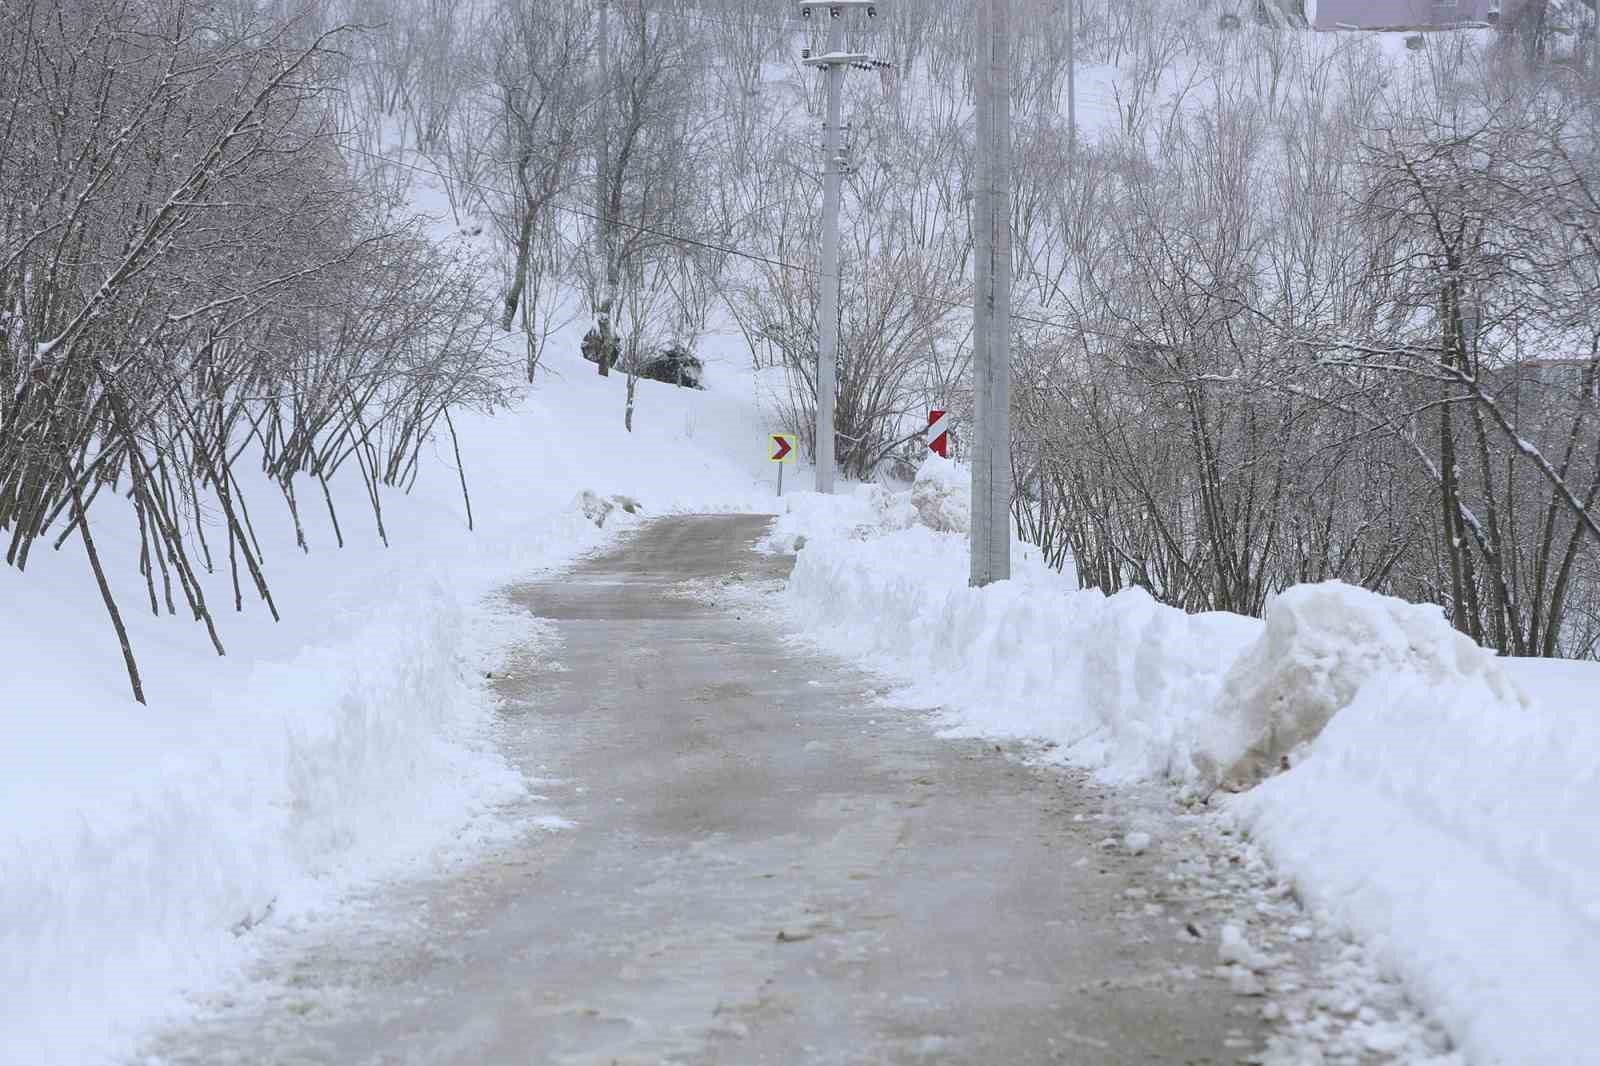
{"x":715,"y":21}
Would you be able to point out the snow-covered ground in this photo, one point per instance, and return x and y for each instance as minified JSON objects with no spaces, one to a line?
{"x":1445,"y":815}
{"x":351,"y":741}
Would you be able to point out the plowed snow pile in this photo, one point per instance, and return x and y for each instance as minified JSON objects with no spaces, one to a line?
{"x":1429,"y":804}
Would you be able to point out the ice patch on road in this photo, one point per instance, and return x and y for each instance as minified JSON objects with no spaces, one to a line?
{"x":553,"y":823}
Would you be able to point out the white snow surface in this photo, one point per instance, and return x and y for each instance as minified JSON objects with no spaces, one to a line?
{"x":353,"y":740}
{"x":1445,"y":813}
{"x":1320,"y":646}
{"x":1457,"y":832}
{"x":1121,"y":683}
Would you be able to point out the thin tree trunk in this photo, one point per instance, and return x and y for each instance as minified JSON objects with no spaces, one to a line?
{"x":105,"y":591}
{"x":1454,"y":538}
{"x":461,"y":471}
{"x":524,"y":245}
{"x":332,"y":514}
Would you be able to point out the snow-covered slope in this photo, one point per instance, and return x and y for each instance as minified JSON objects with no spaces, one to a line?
{"x":350,"y":740}
{"x":1445,"y":815}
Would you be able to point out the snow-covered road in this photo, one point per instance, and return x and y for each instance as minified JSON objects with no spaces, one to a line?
{"x":735,"y":855}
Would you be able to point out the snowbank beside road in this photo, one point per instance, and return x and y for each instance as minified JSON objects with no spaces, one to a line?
{"x":353,"y":740}
{"x":137,"y":844}
{"x":1116,"y":682}
{"x":1458,"y":831}
{"x":1446,"y":812}
{"x":1322,"y":646}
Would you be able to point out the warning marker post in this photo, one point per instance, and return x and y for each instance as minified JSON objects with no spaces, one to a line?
{"x":781,"y":450}
{"x":939,"y":433}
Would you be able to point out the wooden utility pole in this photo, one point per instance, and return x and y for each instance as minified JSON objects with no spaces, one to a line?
{"x":835,"y":163}
{"x":991,"y":317}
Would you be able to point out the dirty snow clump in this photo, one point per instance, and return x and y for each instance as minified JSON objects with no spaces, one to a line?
{"x":942,"y":495}
{"x":1320,"y":645}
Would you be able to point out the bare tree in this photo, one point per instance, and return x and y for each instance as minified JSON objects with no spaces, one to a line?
{"x":538,"y":51}
{"x":168,"y":258}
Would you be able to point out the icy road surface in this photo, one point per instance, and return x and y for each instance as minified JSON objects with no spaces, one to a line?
{"x":736,"y":855}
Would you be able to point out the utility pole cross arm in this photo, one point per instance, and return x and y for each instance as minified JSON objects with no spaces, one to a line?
{"x":832,"y":58}
{"x":836,"y":8}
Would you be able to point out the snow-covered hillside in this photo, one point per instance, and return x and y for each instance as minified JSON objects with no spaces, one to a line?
{"x":353,"y":739}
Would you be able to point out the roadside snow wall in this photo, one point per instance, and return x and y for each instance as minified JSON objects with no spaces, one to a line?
{"x":1459,"y":831}
{"x":136,"y":848}
{"x":1431,"y":806}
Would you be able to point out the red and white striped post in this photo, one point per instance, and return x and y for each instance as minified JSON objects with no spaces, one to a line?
{"x":939,"y":433}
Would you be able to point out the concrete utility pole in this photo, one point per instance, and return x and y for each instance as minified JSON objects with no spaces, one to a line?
{"x":991,"y":311}
{"x":602,"y":196}
{"x":835,"y":163}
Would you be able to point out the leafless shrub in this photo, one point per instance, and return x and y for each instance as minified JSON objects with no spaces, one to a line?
{"x":188,"y":277}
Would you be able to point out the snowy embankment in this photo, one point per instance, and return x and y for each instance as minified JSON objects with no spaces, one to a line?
{"x":1446,"y":813}
{"x":352,"y":740}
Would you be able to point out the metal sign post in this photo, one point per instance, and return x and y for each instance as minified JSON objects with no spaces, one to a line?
{"x":781,"y":449}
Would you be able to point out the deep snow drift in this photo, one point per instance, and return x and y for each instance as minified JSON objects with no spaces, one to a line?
{"x":1446,"y":813}
{"x":352,"y":740}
